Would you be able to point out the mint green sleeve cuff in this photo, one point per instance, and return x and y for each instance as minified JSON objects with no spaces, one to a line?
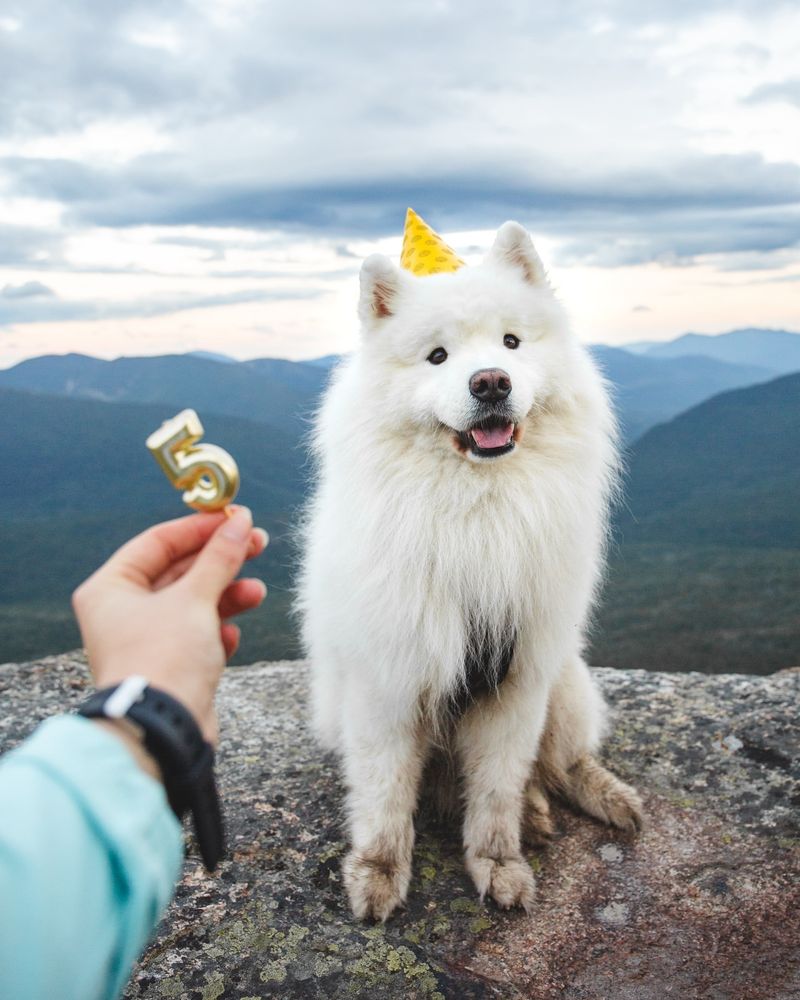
{"x":89,"y":855}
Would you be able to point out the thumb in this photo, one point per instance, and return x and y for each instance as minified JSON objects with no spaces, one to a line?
{"x":222,"y":556}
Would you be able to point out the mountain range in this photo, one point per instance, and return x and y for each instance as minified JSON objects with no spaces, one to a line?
{"x":270,"y":390}
{"x":78,"y":482}
{"x":647,"y":389}
{"x":778,"y":350}
{"x":726,"y":472}
{"x":707,"y":537}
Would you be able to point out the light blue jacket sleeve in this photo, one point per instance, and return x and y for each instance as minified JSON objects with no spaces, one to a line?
{"x":89,"y":855}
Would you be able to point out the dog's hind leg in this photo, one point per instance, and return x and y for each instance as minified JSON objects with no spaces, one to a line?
{"x":566,"y":765}
{"x":538,"y":828}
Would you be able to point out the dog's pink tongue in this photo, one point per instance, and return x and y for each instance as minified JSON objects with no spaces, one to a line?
{"x":497,"y":437}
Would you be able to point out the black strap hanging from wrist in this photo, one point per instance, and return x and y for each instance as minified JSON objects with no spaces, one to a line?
{"x":186,"y":760}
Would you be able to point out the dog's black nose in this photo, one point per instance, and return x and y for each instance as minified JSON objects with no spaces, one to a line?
{"x":490,"y":384}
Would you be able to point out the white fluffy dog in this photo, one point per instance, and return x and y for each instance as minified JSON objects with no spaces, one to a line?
{"x":453,"y":549}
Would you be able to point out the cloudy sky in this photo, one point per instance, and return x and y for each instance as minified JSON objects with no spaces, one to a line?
{"x":208,"y":174}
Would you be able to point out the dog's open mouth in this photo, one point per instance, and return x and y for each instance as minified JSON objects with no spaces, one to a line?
{"x":489,"y":438}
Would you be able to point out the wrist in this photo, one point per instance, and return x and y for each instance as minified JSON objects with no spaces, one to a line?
{"x":192,"y":693}
{"x":131,"y":736}
{"x":172,"y":737}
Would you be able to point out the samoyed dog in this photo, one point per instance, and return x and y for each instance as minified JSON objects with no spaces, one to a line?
{"x":452,"y":553}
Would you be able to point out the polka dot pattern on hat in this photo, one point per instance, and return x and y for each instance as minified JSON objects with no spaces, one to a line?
{"x":424,"y":251}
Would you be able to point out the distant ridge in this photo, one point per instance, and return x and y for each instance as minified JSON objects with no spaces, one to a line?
{"x":649,"y":390}
{"x":705,"y":576}
{"x":79,"y":482}
{"x":778,"y":350}
{"x":327,"y":361}
{"x":223,"y":359}
{"x":270,"y":391}
{"x":85,"y":458}
{"x":725,"y":472}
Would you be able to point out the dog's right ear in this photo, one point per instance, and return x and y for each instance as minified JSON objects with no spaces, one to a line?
{"x":380,"y":288}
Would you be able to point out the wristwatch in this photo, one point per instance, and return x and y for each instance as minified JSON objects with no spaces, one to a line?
{"x":173,"y":738}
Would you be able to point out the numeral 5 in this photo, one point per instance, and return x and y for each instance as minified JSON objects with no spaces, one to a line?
{"x":208,"y":474}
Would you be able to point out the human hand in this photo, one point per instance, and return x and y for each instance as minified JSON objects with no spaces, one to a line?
{"x":159,"y":606}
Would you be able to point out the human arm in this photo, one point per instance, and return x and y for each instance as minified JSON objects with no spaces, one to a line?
{"x":89,"y":854}
{"x":89,"y":849}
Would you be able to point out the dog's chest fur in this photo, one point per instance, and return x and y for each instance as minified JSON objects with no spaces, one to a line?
{"x":451,"y":572}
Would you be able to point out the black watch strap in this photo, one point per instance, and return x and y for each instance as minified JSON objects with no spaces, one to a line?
{"x":186,"y":760}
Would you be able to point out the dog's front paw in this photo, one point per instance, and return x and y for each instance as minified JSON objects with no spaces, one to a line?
{"x":376,"y":886}
{"x":509,"y":881}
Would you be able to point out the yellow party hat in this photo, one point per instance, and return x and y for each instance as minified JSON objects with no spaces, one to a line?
{"x":425,"y":252}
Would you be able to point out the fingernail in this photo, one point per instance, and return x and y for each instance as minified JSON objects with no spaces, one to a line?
{"x":263,"y":589}
{"x":262,"y":535}
{"x":237,"y":527}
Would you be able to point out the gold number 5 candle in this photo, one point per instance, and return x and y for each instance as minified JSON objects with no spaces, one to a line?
{"x":208,"y":474}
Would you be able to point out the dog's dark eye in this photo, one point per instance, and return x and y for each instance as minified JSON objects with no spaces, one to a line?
{"x":437,"y":356}
{"x":511,"y":342}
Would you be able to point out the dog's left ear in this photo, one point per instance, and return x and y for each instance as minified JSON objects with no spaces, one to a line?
{"x":513,"y":247}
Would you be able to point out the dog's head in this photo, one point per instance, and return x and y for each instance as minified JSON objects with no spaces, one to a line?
{"x":471,"y":353}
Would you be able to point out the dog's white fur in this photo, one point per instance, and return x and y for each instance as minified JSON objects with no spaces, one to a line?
{"x":411,"y":539}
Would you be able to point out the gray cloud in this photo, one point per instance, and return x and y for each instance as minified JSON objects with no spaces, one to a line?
{"x":54,"y":310}
{"x":766,"y":260}
{"x":331,"y":119}
{"x":677,"y":238}
{"x":712,"y":204}
{"x":788,"y":91}
{"x":194,"y":63}
{"x":343,"y":251}
{"x":27,"y":290}
{"x":29,"y":247}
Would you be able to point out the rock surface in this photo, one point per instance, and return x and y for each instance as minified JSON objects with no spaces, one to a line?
{"x":705,"y":904}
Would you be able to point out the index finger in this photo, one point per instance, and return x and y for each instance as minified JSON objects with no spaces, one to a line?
{"x":144,"y":558}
